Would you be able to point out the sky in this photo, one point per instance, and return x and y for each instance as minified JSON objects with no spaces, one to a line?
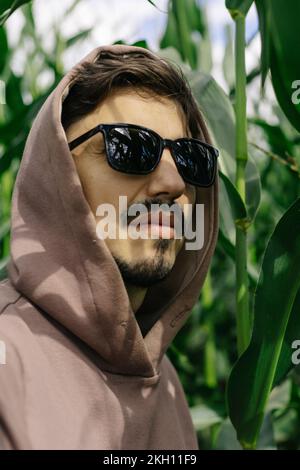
{"x":129,"y":20}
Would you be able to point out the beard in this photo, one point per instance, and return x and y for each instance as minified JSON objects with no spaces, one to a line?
{"x":149,"y":272}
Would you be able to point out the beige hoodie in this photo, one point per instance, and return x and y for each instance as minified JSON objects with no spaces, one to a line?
{"x":79,"y":374}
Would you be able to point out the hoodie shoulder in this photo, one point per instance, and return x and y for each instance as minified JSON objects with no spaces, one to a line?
{"x":9,"y":354}
{"x":13,"y":429}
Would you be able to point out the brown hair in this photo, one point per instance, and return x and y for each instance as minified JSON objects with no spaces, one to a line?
{"x":93,"y":81}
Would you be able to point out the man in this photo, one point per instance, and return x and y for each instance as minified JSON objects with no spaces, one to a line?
{"x":86,"y":319}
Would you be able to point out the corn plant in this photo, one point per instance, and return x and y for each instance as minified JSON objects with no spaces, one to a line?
{"x":265,"y":350}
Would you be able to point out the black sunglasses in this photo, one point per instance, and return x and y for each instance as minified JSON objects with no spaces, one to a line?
{"x":137,"y":150}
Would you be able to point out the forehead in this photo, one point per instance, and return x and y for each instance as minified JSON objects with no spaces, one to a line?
{"x":163,"y":115}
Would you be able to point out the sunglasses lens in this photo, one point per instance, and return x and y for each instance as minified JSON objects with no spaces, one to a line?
{"x":131,"y":150}
{"x":197,"y":163}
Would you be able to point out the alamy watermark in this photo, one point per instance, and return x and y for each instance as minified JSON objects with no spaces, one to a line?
{"x":2,"y":353}
{"x":154,"y":222}
{"x":296,"y":93}
{"x":2,"y":92}
{"x":296,"y":354}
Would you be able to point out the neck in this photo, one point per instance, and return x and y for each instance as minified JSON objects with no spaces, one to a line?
{"x":136,"y":295}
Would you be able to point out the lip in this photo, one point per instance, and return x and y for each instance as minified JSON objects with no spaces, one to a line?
{"x":156,"y":218}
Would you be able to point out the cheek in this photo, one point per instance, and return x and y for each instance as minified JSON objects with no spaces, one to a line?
{"x":96,"y":181}
{"x":102,"y":184}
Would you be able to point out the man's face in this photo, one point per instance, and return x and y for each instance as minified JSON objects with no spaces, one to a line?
{"x":142,"y":262}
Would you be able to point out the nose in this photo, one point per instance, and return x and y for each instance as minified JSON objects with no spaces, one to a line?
{"x":165,"y":179}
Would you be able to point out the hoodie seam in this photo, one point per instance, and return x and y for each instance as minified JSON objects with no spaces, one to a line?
{"x":10,"y":303}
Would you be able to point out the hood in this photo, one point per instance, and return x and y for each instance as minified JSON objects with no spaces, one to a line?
{"x":58,"y":263}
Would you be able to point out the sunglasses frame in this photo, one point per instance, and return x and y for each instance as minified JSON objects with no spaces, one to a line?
{"x":163,"y":143}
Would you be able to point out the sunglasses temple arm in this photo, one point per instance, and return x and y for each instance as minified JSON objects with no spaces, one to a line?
{"x":87,"y":135}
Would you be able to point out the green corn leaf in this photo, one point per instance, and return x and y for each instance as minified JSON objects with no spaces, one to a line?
{"x":184,"y":31}
{"x":184,"y":19}
{"x":4,"y":51}
{"x":7,"y":7}
{"x":284,"y":55}
{"x":292,"y":333}
{"x":237,"y":205}
{"x":278,"y":23}
{"x":283,"y":80}
{"x":204,"y":417}
{"x":219,"y":115}
{"x":264,"y":28}
{"x":4,"y":229}
{"x":170,"y":37}
{"x":228,"y":247}
{"x":276,"y":136}
{"x":253,"y":188}
{"x":276,"y":322}
{"x":78,"y":37}
{"x":226,"y":244}
{"x":195,"y":17}
{"x":228,"y":60}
